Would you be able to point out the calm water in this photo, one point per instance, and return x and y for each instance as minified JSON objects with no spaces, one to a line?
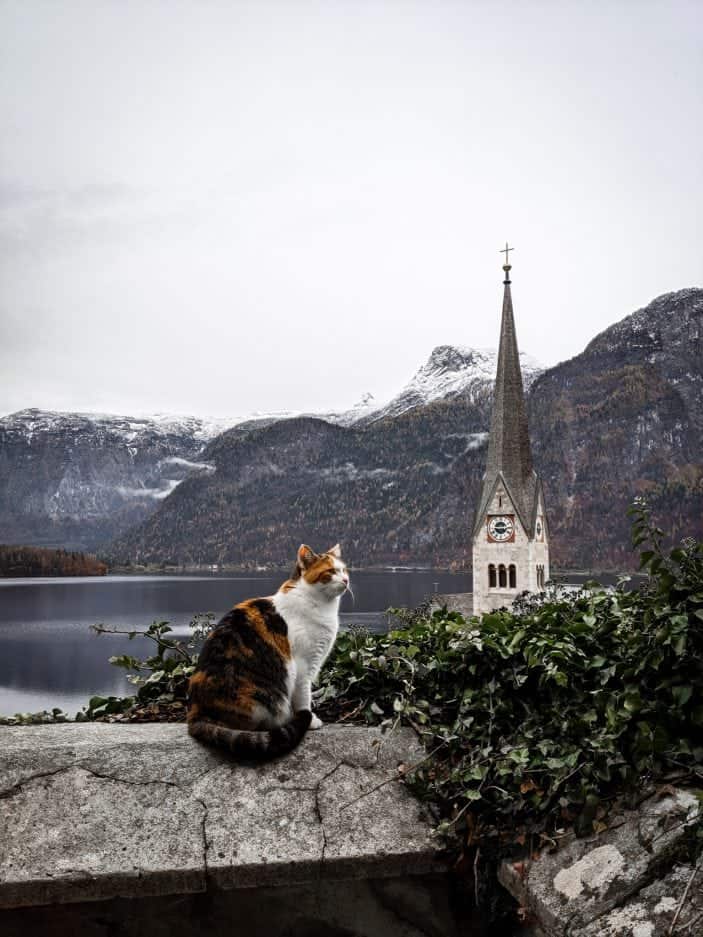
{"x":49,"y":657}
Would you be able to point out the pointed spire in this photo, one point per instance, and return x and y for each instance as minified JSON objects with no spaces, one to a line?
{"x":509,"y":450}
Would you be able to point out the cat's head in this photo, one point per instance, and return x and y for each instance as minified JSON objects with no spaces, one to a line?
{"x":324,"y":571}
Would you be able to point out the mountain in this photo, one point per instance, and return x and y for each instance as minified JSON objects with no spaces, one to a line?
{"x":396,"y":481}
{"x":623,"y":417}
{"x":452,"y":370}
{"x":77,"y":480}
{"x":80,"y":480}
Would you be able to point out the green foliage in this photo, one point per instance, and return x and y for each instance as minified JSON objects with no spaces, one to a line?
{"x":538,"y":715}
{"x":45,"y":717}
{"x":161,"y":677}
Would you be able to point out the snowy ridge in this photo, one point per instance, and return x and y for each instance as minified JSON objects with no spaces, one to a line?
{"x":131,"y":429}
{"x":451,"y":370}
{"x":670,"y":313}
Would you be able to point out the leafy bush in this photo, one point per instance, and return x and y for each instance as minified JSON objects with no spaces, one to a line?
{"x":538,"y":715}
{"x":161,"y":678}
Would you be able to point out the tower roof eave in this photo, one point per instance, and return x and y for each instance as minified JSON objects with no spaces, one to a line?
{"x":487,"y":496}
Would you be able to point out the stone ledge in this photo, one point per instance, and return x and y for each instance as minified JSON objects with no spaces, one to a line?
{"x":95,"y":812}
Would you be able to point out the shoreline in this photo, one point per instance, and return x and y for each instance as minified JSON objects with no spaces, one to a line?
{"x":206,"y":571}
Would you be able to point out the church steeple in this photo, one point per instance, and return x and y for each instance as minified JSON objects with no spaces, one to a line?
{"x":510,"y":536}
{"x":509,"y":450}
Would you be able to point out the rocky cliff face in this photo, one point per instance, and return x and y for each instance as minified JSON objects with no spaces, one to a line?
{"x":625,"y":417}
{"x":622,"y":418}
{"x":78,"y":480}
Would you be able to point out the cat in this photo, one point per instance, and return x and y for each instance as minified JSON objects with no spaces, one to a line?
{"x":251,"y":690}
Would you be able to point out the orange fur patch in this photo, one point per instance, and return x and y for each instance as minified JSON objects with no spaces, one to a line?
{"x":232,"y":652}
{"x":256,"y":620}
{"x":321,"y":570}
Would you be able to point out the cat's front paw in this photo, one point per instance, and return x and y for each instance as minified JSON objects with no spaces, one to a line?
{"x":316,"y":722}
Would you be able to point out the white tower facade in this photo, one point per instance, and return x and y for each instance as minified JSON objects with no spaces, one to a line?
{"x":510,"y":534}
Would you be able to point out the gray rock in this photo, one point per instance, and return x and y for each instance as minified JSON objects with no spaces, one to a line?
{"x":602,"y":880}
{"x":652,"y":911}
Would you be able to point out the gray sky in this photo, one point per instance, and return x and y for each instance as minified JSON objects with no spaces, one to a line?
{"x":213,"y":208}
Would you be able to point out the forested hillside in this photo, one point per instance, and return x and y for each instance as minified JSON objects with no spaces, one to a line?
{"x":34,"y":561}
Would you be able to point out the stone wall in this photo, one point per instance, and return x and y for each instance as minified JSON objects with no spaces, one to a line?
{"x":120,"y":830}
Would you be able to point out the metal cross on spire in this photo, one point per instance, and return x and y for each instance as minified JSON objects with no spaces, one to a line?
{"x":505,"y":250}
{"x":506,"y":265}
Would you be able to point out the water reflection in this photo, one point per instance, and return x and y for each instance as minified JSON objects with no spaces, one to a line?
{"x":49,"y":657}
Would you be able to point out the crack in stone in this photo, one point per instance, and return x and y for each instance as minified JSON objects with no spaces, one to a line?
{"x":82,"y":765}
{"x":16,"y":788}
{"x":133,"y":783}
{"x":203,"y":829}
{"x":318,"y":809}
{"x":90,"y":764}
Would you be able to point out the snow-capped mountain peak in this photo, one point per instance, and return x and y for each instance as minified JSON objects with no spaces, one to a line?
{"x":451,"y":370}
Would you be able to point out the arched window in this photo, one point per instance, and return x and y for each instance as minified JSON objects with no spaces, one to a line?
{"x":491,"y":576}
{"x":512,"y":576}
{"x":502,"y":579}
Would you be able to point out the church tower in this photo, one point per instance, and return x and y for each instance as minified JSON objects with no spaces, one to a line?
{"x":510,"y":535}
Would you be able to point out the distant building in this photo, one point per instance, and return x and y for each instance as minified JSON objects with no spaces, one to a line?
{"x":510,"y":534}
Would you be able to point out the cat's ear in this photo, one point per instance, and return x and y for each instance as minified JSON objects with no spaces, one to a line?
{"x":335,"y":551}
{"x":305,"y":556}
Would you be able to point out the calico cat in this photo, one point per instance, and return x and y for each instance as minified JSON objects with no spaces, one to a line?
{"x":251,"y":692}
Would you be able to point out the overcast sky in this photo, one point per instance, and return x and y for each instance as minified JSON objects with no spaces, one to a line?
{"x":214,"y":208}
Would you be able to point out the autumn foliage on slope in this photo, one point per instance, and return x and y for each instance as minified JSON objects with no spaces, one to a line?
{"x":36,"y":561}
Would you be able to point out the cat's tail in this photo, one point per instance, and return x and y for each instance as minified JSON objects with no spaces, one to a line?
{"x":253,"y":746}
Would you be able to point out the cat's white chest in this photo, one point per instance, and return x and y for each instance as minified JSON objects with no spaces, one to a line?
{"x":312,"y":628}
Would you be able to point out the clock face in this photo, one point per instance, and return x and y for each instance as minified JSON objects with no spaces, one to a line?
{"x":501,"y":528}
{"x":539,"y":529}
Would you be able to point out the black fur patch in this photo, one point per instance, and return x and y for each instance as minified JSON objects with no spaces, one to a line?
{"x":273,"y":620}
{"x":236,"y":655}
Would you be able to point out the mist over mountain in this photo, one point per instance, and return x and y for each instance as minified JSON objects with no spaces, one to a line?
{"x":395,"y":482}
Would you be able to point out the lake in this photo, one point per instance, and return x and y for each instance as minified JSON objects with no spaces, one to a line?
{"x":49,"y":656}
